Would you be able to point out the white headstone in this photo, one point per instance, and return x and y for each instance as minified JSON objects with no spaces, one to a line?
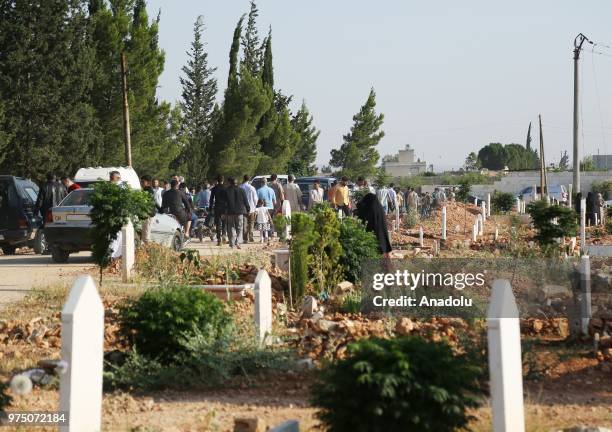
{"x":518,"y":205}
{"x":444,"y":223}
{"x":83,"y":352}
{"x":286,"y":210}
{"x":583,"y":226}
{"x":128,"y":252}
{"x":263,"y":305}
{"x":505,"y":365}
{"x":483,"y":211}
{"x":474,"y":231}
{"x":475,"y":201}
{"x":488,"y":204}
{"x":523,"y":207}
{"x":496,"y":234}
{"x":480,"y":224}
{"x":421,"y":236}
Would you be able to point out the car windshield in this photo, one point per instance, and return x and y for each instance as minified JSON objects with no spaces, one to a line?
{"x":78,"y":197}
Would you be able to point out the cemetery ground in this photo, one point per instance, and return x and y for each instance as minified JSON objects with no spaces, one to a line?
{"x":566,"y":382}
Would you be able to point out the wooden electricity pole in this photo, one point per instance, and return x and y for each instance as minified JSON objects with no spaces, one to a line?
{"x":543,"y":182}
{"x":126,"y":111}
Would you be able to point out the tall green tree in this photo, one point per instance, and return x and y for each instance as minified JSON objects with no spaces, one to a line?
{"x":124,"y":26}
{"x":358,"y":155}
{"x":305,"y":152}
{"x":234,"y":53}
{"x":4,"y":138}
{"x":496,"y":156}
{"x":198,"y":100}
{"x":250,"y":43}
{"x":46,"y":65}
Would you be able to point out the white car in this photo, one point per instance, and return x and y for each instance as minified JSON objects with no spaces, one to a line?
{"x":558,"y":192}
{"x":257,"y":181}
{"x":68,"y":227}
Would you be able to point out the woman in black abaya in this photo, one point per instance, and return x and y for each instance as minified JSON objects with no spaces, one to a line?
{"x":371,"y":212}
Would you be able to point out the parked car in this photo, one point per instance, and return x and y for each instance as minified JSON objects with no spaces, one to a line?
{"x":305,"y":184}
{"x":68,"y":227}
{"x":87,"y":177}
{"x":19,"y":226}
{"x":558,"y":192}
{"x":257,"y":181}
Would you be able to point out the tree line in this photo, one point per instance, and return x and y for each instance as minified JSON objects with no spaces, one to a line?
{"x":61,"y":99}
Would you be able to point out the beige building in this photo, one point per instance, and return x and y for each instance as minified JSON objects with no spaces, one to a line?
{"x":403,"y":164}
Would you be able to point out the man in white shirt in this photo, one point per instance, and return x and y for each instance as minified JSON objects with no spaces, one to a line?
{"x":157,"y":193}
{"x":383,"y":197}
{"x":293,"y":194}
{"x":249,"y":219}
{"x":316,"y":194}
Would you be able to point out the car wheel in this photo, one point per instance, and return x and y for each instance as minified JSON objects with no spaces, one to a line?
{"x":8,"y":250}
{"x":59,"y":255}
{"x":177,"y":241}
{"x":40,"y":243}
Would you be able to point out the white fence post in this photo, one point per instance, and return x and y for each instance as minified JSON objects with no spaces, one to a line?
{"x":83,"y":351}
{"x":263,"y":305}
{"x":505,"y":365}
{"x":583,"y":248}
{"x":127,"y":251}
{"x":444,"y":223}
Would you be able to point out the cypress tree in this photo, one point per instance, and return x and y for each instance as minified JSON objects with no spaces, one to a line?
{"x":358,"y":155}
{"x":250,"y":42}
{"x":45,"y":82}
{"x":234,"y":51}
{"x":198,"y":100}
{"x":267,"y":72}
{"x":305,"y":154}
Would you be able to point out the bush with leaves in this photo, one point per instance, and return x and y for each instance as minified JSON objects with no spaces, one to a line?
{"x":411,"y":219}
{"x":543,"y":217}
{"x":358,"y":244}
{"x":112,"y":207}
{"x":502,"y":202}
{"x":463,"y":193}
{"x":204,"y":360}
{"x":399,"y":384}
{"x":280,"y":225}
{"x":326,"y":249}
{"x":162,"y":317}
{"x":302,"y":238}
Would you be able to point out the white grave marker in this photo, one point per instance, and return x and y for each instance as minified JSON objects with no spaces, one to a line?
{"x":488,"y":204}
{"x":263,"y":305}
{"x":505,"y":365}
{"x":83,"y":351}
{"x":421,"y":236}
{"x":569,"y":195}
{"x":480,"y":223}
{"x":286,"y":210}
{"x":444,"y":223}
{"x":496,"y":234}
{"x":474,"y":231}
{"x":127,"y":252}
{"x":518,"y":205}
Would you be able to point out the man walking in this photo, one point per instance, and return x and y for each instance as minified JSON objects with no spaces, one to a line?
{"x":316,"y":195}
{"x":176,"y":203}
{"x":50,"y":195}
{"x":237,"y":208}
{"x":157,"y":193}
{"x":293,"y":194}
{"x":249,"y":218}
{"x":341,"y":196}
{"x":146,"y":183}
{"x":268,"y":196}
{"x":218,"y":205}
{"x":383,"y":197}
{"x":278,"y":191}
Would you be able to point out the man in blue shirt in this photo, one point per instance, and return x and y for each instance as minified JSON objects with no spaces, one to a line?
{"x":202,"y":198}
{"x":267,"y":195}
{"x":249,"y":219}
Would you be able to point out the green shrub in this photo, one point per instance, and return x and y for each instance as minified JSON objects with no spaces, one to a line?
{"x":463,"y":193}
{"x":400,"y":384}
{"x":542,"y":216}
{"x":112,"y":207}
{"x":326,"y":249}
{"x":157,"y":321}
{"x":358,"y":244}
{"x":280,"y":226}
{"x":602,"y":187}
{"x":502,"y":202}
{"x":205,"y":360}
{"x":411,"y":219}
{"x":302,"y":238}
{"x":351,"y":303}
{"x":5,"y":400}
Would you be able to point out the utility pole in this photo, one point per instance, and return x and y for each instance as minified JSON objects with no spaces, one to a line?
{"x":126,"y":111}
{"x":578,"y":41}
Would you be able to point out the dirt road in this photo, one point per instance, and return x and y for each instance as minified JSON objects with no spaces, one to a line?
{"x":23,"y":272}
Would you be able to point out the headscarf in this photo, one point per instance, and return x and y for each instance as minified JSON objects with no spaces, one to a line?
{"x":371,"y":212}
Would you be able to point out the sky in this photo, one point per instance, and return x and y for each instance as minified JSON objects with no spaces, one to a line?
{"x":450,"y":77}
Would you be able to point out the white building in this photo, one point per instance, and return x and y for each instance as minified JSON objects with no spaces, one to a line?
{"x":403,"y":164}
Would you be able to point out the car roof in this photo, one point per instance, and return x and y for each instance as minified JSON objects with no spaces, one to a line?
{"x":94,"y":174}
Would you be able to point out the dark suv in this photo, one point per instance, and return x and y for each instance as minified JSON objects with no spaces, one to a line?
{"x":18,"y":223}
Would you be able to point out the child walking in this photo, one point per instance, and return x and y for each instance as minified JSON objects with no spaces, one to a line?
{"x":263,"y":220}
